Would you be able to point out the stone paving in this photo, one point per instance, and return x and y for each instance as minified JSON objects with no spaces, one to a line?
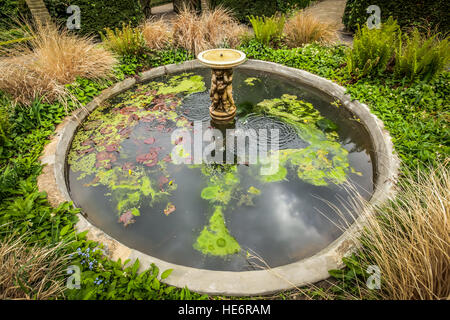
{"x":332,"y":11}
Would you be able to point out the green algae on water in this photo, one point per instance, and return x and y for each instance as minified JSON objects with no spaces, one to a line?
{"x":324,"y":160}
{"x":251,"y":81}
{"x":215,"y":238}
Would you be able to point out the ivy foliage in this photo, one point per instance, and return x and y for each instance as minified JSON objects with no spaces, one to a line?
{"x":98,"y":15}
{"x":432,"y":14}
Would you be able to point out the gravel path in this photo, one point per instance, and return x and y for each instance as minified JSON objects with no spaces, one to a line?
{"x":332,"y":11}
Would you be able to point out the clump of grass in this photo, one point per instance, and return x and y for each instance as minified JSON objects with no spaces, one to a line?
{"x":373,"y":49}
{"x":126,"y":41}
{"x":157,"y":34}
{"x":31,"y":272}
{"x":268,"y":29}
{"x":51,"y":59}
{"x":304,"y":28}
{"x":419,"y":57}
{"x":407,"y":238}
{"x":212,"y":29}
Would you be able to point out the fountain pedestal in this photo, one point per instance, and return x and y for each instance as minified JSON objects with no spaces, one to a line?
{"x":222,"y":109}
{"x":222,"y":61}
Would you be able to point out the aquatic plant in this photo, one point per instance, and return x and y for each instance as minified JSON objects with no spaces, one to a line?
{"x":324,"y":160}
{"x":215,"y":238}
{"x":96,"y":149}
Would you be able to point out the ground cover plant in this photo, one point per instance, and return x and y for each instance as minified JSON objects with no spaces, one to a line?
{"x":412,"y":105}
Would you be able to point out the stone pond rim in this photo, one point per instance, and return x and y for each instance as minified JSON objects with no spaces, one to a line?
{"x":244,"y":283}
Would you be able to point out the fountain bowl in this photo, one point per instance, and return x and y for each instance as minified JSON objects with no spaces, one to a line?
{"x":221,"y":58}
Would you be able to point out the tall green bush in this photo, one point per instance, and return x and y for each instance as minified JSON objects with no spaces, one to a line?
{"x":10,"y":11}
{"x":372,"y":49}
{"x":267,"y":28}
{"x":244,"y":8}
{"x":125,"y":41}
{"x":418,"y":57}
{"x":435,"y":13}
{"x":99,"y":14}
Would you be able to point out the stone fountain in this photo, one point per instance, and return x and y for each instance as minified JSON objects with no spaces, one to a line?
{"x":222,"y":61}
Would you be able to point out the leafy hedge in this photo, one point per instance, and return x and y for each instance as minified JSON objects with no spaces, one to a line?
{"x":244,"y":8}
{"x":95,"y":15}
{"x":99,"y":14}
{"x":9,"y":10}
{"x":434,"y":13}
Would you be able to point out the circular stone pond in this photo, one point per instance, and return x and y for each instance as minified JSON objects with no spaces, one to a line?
{"x":146,"y":168}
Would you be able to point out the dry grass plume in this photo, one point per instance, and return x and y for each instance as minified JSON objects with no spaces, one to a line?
{"x":303,"y":28}
{"x":51,"y":59}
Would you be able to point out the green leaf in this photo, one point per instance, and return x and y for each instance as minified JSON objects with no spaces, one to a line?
{"x":65,"y":229}
{"x":166,"y":273}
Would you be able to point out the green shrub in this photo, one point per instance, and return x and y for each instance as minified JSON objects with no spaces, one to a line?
{"x":10,"y":10}
{"x":417,"y":57}
{"x":372,"y":49}
{"x":290,"y":5}
{"x":126,"y":41}
{"x":5,"y":125}
{"x":243,"y":8}
{"x":99,"y":14}
{"x":268,"y":29}
{"x":432,"y":14}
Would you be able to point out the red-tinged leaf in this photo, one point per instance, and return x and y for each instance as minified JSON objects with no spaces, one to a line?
{"x":85,"y":151}
{"x":112,"y":157}
{"x":106,"y":130}
{"x":94,"y":181}
{"x":133,"y":117}
{"x":150,"y":140}
{"x":148,"y":119}
{"x":87,"y":142}
{"x":162,"y":181}
{"x":152,"y":163}
{"x":167,"y":158}
{"x":102,"y":156}
{"x":128,"y":166}
{"x":112,"y":147}
{"x":169,"y":209}
{"x":127,"y":218}
{"x":142,"y":158}
{"x":125,"y":132}
{"x":128,"y":110}
{"x":152,"y":155}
